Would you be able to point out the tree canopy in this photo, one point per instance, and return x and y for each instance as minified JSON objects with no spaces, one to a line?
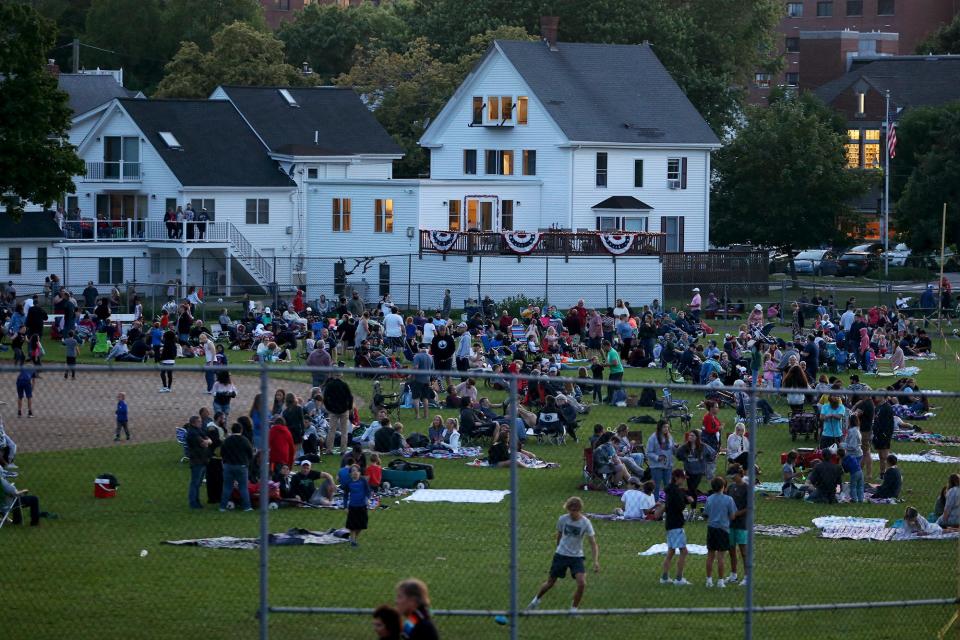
{"x":35,"y":164}
{"x":944,"y":40}
{"x":782,"y":179}
{"x":240,"y":55}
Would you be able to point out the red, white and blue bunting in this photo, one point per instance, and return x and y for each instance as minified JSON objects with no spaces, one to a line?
{"x":617,"y":243}
{"x":521,"y":242}
{"x":443,"y":241}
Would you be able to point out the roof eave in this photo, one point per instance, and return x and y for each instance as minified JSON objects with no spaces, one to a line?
{"x":644,"y":145}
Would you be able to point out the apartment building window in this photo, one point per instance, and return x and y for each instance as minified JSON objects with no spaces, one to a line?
{"x":672,"y":226}
{"x":258,"y":211}
{"x":677,"y":173}
{"x":795,"y":9}
{"x":506,"y":215}
{"x":110,"y":270}
{"x":529,"y":162}
{"x":853,"y":148}
{"x":283,"y":5}
{"x":793,"y":78}
{"x":522,"y":105}
{"x":638,"y":173}
{"x":383,"y":215}
{"x":499,"y":162}
{"x":792,"y":45}
{"x":824,"y":8}
{"x":477,"y":110}
{"x":601,"y":169}
{"x":470,"y":162}
{"x":453,"y":216}
{"x":854,"y":7}
{"x":885,"y":7}
{"x":15,"y":261}
{"x":761,"y":80}
{"x":205,"y":203}
{"x":493,"y":109}
{"x":41,"y":258}
{"x":341,"y":214}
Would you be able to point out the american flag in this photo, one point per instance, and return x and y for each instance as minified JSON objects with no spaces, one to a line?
{"x":892,"y":133}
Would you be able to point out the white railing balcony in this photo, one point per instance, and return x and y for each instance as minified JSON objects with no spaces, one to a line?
{"x":113,"y":171}
{"x":130,"y":230}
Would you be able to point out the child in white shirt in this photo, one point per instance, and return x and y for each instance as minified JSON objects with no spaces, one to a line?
{"x":637,"y":503}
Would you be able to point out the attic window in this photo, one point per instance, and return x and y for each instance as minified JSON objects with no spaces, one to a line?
{"x":170,"y":140}
{"x":289,"y":98}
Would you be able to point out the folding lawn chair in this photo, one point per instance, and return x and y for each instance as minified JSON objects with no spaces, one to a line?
{"x":182,"y":441}
{"x":101,"y":347}
{"x":8,"y":513}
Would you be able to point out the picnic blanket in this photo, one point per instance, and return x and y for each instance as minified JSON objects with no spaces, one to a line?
{"x":661,"y":550}
{"x":662,"y":495}
{"x":825,"y":522}
{"x":924,"y":456}
{"x":926,"y":437}
{"x":292,"y":537}
{"x":779,"y":530}
{"x":472,"y":496}
{"x":536,"y":464}
{"x":876,"y":532}
{"x":444,"y":454}
{"x":613,"y":517}
{"x":768,"y":487}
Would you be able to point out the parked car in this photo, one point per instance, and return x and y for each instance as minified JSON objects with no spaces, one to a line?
{"x":898,"y":255}
{"x":819,"y":262}
{"x":860,"y":259}
{"x":779,"y":261}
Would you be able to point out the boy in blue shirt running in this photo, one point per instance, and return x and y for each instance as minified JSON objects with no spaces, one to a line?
{"x":122,"y":417}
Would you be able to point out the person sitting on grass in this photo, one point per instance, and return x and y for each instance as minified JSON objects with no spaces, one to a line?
{"x":891,"y":484}
{"x":915,"y":524}
{"x":374,"y":472}
{"x":948,"y":504}
{"x":499,"y":453}
{"x":304,"y":489}
{"x":638,"y":501}
{"x":823,"y":480}
{"x":572,"y":528}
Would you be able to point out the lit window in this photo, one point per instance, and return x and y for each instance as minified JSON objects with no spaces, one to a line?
{"x":529,"y":162}
{"x":506,"y":108}
{"x":795,"y":9}
{"x":341,"y":214}
{"x":506,"y":163}
{"x":761,"y":80}
{"x":824,"y":8}
{"x":170,"y":140}
{"x":288,"y":98}
{"x":383,"y":216}
{"x":861,"y":103}
{"x":871,"y":149}
{"x":493,"y":109}
{"x":477,"y":110}
{"x":853,"y":149}
{"x":453,"y":216}
{"x":522,"y":103}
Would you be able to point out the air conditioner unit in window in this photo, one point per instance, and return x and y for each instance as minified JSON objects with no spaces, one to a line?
{"x":673,"y":184}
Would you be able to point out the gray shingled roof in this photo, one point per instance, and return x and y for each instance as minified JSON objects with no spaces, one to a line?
{"x":218,"y":148}
{"x":31,"y":225}
{"x":345,"y":125}
{"x":608,"y":93}
{"x":622,"y":202}
{"x":913,"y":81}
{"x":90,"y":91}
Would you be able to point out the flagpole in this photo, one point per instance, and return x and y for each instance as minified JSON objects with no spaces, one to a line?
{"x":886,"y":194}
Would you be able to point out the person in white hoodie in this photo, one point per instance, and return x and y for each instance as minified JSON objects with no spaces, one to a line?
{"x":451,"y":436}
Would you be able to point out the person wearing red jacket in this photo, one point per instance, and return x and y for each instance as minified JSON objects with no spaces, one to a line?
{"x":282,"y":449}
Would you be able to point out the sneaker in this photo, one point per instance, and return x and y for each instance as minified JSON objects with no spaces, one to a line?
{"x":709,"y":583}
{"x":12,"y":467}
{"x":354,"y":543}
{"x":29,"y":414}
{"x":664,"y":580}
{"x":533,"y":604}
{"x":681,"y":582}
{"x":248,"y":509}
{"x":721,"y":584}
{"x":744,"y":583}
{"x":731,"y":578}
{"x":222,"y":510}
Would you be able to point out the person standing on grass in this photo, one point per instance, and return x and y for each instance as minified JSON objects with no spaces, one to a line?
{"x":572,"y":527}
{"x":70,"y":348}
{"x":833,"y":417}
{"x":237,"y":454}
{"x":711,"y":434}
{"x":616,"y":369}
{"x":209,"y":360}
{"x":659,"y":452}
{"x":356,"y":492}
{"x":198,"y":451}
{"x":720,"y":510}
{"x":338,"y":401}
{"x":25,"y":389}
{"x":168,"y":358}
{"x":122,"y":417}
{"x":223,"y":392}
{"x":883,"y":424}
{"x":413,"y":605}
{"x":420,"y":384}
{"x":739,"y":491}
{"x":672,"y":510}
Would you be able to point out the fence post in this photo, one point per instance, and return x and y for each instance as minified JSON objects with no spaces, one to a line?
{"x":546,"y":282}
{"x":783,"y":297}
{"x":514,"y":515}
{"x":264,"y":502}
{"x":409,"y":276}
{"x":752,"y":475}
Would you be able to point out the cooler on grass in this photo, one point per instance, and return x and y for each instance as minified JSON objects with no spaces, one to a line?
{"x":104,"y":488}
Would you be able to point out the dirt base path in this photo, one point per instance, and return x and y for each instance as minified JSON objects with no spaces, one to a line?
{"x":73,"y":414}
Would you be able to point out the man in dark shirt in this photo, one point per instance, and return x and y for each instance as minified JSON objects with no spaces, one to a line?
{"x":237,"y":454}
{"x":922,"y":344}
{"x":892,"y":480}
{"x":442,"y":349}
{"x":811,"y":355}
{"x":864,"y":410}
{"x":90,"y":295}
{"x":883,"y":424}
{"x":199,"y":450}
{"x":386,"y":439}
{"x":824,"y":479}
{"x":676,"y":502}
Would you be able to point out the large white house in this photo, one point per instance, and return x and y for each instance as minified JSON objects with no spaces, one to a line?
{"x":589,"y":154}
{"x":559,"y":170}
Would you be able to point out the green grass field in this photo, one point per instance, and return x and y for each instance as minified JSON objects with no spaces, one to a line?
{"x":83,"y":576}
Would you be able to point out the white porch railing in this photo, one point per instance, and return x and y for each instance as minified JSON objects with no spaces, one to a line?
{"x":113,"y":171}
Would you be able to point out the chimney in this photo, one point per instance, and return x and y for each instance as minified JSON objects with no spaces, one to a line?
{"x":549,"y":26}
{"x":53,"y":68}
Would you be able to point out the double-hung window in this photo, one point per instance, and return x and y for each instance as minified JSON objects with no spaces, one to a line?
{"x":341,"y":214}
{"x":258,"y":211}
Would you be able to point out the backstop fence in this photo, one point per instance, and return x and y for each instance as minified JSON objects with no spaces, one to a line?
{"x":812,"y":554}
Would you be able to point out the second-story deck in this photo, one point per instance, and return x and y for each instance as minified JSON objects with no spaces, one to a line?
{"x":542,"y":243}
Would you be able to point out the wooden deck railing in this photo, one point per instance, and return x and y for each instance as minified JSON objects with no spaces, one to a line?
{"x":552,"y":243}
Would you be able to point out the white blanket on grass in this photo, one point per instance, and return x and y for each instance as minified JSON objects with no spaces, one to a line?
{"x":473,"y":496}
{"x":661,"y":550}
{"x":927,"y":456}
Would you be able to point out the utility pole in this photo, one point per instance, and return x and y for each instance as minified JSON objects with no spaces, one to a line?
{"x":886,"y":192}
{"x":76,"y":55}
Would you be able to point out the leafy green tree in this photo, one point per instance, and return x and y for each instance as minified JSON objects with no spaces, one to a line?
{"x":326,"y":36}
{"x":34,"y":115}
{"x":944,"y":40}
{"x":450,"y":24}
{"x":197,"y":20}
{"x":782,"y":180}
{"x":130,"y":31}
{"x":70,"y":17}
{"x":926,"y":173}
{"x":241,"y":55}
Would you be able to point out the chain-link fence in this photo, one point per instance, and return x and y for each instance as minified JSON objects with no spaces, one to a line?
{"x":810,"y":554}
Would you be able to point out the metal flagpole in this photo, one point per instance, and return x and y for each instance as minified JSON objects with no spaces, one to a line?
{"x":886,"y":194}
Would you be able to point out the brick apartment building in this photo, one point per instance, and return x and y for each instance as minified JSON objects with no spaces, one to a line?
{"x":279,"y":11}
{"x":827,"y":34}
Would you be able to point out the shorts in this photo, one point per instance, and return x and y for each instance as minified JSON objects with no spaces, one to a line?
{"x":356,"y":518}
{"x":717,"y":539}
{"x":71,"y":361}
{"x":421,"y":390}
{"x":24,"y":390}
{"x":560,"y":564}
{"x":444,"y":364}
{"x":676,"y":538}
{"x":880,"y":442}
{"x":594,"y":343}
{"x":737,"y":536}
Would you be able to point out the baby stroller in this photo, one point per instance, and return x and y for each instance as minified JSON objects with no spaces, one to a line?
{"x":671,"y":409}
{"x":762,"y":333}
{"x":388,"y":402}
